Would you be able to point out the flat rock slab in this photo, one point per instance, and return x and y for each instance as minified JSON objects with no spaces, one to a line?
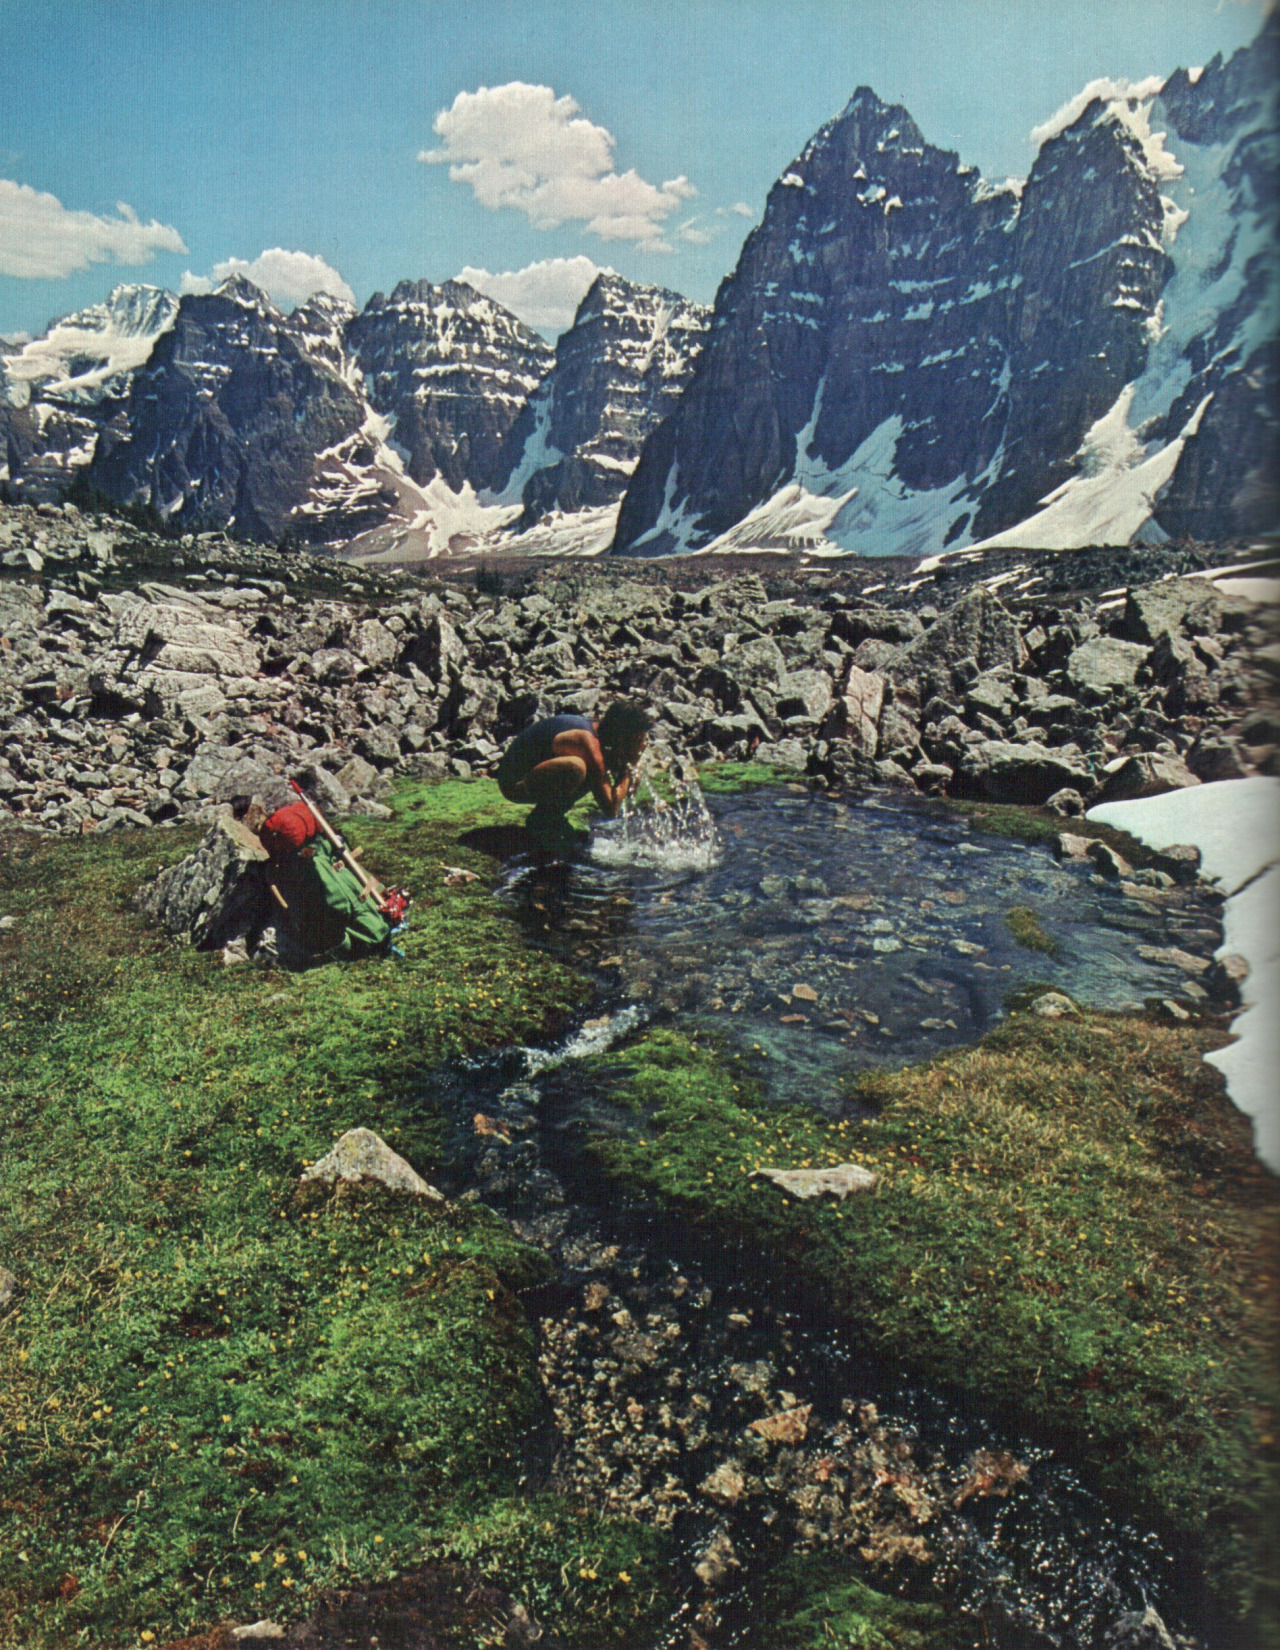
{"x":804,"y":1183}
{"x":1173,"y":957}
{"x":363,"y":1155}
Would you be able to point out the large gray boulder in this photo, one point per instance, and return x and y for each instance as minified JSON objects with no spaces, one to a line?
{"x":805,"y":693}
{"x":1174,"y":607}
{"x":978,"y":628}
{"x":219,"y":773}
{"x":213,"y":893}
{"x":1149,"y":774}
{"x":1103,"y":664}
{"x":998,"y":770}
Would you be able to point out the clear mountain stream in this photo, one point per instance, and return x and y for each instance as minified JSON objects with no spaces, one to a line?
{"x":819,"y":938}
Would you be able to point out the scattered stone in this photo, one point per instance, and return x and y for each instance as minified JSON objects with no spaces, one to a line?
{"x":1172,"y":956}
{"x":717,"y":1561}
{"x":783,"y":753}
{"x":804,"y":993}
{"x":8,"y":1286}
{"x":1103,"y":664}
{"x":258,"y":1630}
{"x":1052,"y":1005}
{"x":1108,"y":861}
{"x":206,"y":898}
{"x":363,"y":1155}
{"x":1067,"y":802}
{"x":594,"y":1296}
{"x":1151,"y":774}
{"x":789,"y":1426}
{"x":1071,"y":846}
{"x":1144,"y":1630}
{"x":805,"y":1183}
{"x":1181,"y":860}
{"x":725,"y":1484}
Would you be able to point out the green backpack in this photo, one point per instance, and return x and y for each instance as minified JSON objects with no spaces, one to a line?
{"x":328,"y":911}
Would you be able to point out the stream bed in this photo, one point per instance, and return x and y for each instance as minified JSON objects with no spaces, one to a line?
{"x":820,"y":938}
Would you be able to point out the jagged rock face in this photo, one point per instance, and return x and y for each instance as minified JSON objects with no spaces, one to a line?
{"x":1226,"y":479}
{"x":58,"y":390}
{"x":320,"y":326}
{"x":957,"y":353}
{"x":619,"y":370}
{"x":452,"y":371}
{"x":223,"y":424}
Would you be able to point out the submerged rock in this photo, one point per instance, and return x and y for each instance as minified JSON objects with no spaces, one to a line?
{"x":1144,"y":1630}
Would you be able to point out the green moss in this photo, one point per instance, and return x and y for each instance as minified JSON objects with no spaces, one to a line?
{"x":1018,"y":823}
{"x":598,"y":1581}
{"x":199,"y":1367}
{"x":1070,"y":1225}
{"x":1025,"y":927}
{"x":728,"y":778}
{"x":814,"y":1602}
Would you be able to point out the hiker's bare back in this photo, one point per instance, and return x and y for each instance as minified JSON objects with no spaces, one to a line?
{"x":557,"y":760}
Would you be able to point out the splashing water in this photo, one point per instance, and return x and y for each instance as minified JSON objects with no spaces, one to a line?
{"x":593,"y":1037}
{"x":678,"y":834}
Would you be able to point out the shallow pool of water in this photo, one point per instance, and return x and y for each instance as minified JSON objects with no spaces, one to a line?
{"x":833,"y":936}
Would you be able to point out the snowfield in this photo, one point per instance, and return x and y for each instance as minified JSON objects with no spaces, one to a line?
{"x":1236,"y":826}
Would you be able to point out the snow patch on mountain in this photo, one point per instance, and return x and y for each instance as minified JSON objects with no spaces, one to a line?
{"x":1113,"y":499}
{"x":538,"y":452}
{"x":1105,"y":90}
{"x":84,"y":356}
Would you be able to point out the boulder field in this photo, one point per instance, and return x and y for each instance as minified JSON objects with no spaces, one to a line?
{"x":143,"y":679}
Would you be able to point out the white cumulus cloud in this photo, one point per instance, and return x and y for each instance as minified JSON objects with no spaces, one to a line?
{"x":544,"y":295}
{"x":40,"y":239}
{"x":288,"y":278}
{"x":523,"y":147}
{"x":743,"y":210}
{"x":1107,"y":89}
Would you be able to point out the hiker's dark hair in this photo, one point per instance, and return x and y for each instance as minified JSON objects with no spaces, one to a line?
{"x":621,"y":723}
{"x":240,"y":806}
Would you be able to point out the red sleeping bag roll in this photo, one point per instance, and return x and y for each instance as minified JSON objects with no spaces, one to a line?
{"x":287,"y":830}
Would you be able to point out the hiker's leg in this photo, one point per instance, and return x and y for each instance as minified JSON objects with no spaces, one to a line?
{"x":556,"y":784}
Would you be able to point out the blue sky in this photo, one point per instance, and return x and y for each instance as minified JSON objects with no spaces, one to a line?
{"x":230,"y":128}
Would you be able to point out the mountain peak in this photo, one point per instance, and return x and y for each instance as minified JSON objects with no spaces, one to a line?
{"x":241,"y":290}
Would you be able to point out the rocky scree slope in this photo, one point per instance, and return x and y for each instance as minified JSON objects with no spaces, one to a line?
{"x":136,"y":688}
{"x":907,"y":358}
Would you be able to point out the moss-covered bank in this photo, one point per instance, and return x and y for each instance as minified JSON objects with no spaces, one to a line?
{"x":216,"y":1397}
{"x":1069,"y":1226}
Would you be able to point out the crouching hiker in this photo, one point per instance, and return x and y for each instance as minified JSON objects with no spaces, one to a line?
{"x":556,"y":761}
